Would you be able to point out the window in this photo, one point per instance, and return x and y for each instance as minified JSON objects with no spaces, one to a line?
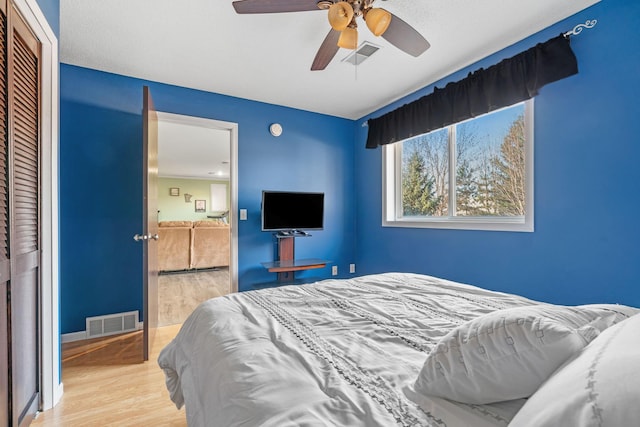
{"x":474,"y":175}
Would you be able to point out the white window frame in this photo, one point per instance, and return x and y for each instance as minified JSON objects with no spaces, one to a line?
{"x":392,"y":194}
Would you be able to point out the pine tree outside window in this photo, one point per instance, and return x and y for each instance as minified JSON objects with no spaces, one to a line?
{"x":476,"y":174}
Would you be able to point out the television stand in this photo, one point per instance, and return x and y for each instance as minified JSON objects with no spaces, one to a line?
{"x":286,"y":265}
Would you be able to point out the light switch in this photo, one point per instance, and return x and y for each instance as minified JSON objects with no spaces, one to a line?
{"x":243,"y":214}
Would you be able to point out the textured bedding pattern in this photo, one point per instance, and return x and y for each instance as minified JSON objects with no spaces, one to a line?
{"x":337,"y":352}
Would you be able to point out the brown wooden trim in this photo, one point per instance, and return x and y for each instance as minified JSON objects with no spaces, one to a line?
{"x":150,"y":220}
{"x":286,"y":248}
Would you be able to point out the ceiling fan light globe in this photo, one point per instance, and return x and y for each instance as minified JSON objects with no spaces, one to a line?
{"x":348,"y":38}
{"x":378,"y":20}
{"x":340,"y":15}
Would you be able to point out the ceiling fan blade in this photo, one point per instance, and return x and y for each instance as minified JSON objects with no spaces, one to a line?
{"x":405,"y":37}
{"x":327,"y":51}
{"x":274,"y":6}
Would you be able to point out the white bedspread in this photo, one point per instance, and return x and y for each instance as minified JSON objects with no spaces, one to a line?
{"x":334,"y":353}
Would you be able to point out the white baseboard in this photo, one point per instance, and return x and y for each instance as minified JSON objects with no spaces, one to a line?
{"x":57,"y":395}
{"x":73,"y":336}
{"x":82,"y":335}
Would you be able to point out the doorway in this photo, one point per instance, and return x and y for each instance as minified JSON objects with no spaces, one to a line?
{"x":197,"y":201}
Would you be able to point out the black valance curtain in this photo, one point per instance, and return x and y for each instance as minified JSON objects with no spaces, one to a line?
{"x":510,"y":81}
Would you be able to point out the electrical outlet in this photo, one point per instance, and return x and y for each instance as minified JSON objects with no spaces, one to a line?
{"x":352,"y":268}
{"x":243,"y":214}
{"x":334,"y":270}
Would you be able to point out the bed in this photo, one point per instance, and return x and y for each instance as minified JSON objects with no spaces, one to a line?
{"x":392,"y":349}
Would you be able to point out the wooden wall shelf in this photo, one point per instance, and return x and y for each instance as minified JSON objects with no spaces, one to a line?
{"x":294,"y":265}
{"x":286,"y":265}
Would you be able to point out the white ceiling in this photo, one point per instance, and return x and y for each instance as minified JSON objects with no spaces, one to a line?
{"x":188,"y":150}
{"x":204,"y":44}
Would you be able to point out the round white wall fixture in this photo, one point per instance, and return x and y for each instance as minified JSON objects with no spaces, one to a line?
{"x":275,"y":129}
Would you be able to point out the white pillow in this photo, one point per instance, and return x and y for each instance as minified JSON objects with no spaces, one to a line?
{"x":507,"y":354}
{"x":600,"y":386}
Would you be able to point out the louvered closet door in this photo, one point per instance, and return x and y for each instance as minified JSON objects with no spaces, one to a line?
{"x":4,"y":222}
{"x":24,"y":214}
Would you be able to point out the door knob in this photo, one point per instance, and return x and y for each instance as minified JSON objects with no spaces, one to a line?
{"x":139,"y":237}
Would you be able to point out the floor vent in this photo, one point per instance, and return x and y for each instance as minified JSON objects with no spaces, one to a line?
{"x":100,"y":326}
{"x":365,"y":50}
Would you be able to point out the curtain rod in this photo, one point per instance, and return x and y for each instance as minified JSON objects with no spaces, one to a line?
{"x":578,"y":28}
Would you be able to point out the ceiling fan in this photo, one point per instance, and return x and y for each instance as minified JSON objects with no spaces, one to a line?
{"x":342,"y":18}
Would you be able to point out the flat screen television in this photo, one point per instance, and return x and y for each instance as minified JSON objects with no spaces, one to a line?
{"x":288,"y":210}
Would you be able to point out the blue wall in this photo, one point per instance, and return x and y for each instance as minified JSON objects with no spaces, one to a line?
{"x":101,"y":181}
{"x":51,"y":11}
{"x":585,"y":247}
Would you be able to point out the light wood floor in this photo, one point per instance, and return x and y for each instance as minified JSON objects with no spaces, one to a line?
{"x":106,"y":383}
{"x":106,"y":386}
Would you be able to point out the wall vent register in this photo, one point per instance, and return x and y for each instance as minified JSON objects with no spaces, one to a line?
{"x":100,"y":326}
